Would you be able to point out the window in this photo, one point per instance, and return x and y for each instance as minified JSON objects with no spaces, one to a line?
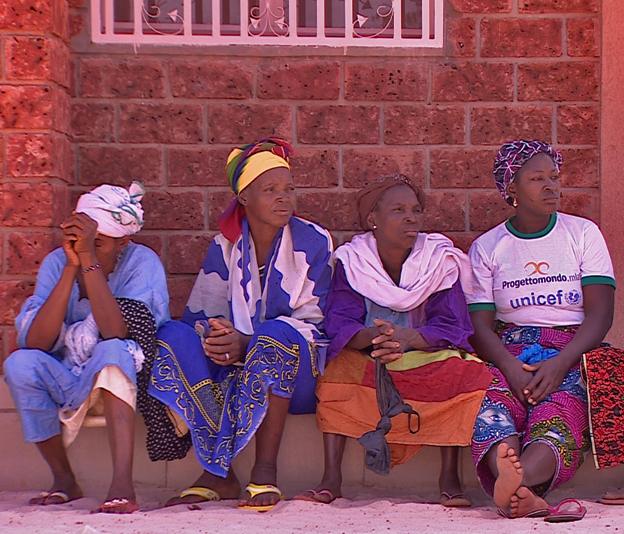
{"x":405,"y":23}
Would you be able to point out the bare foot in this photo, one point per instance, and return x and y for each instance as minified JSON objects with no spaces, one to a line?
{"x":61,"y":487}
{"x":524,"y":503}
{"x":227,"y":488}
{"x":617,"y":495}
{"x":509,"y":475}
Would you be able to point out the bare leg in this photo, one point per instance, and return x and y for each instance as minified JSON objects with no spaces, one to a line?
{"x":330,"y":487}
{"x":268,"y":439}
{"x":538,"y":464}
{"x":120,"y":426}
{"x":64,"y":481}
{"x":449,"y":472}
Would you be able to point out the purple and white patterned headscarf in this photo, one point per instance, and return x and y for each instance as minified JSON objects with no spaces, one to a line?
{"x":512,"y":156}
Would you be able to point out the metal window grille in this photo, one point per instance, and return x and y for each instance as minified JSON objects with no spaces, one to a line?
{"x":366,"y":23}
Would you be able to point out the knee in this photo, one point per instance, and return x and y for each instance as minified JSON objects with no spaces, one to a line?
{"x":20,"y":367}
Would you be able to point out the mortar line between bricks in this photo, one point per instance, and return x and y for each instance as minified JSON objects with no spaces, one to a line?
{"x":553,"y":127}
{"x":515,"y":78}
{"x":564,"y":38}
{"x":467,"y":212}
{"x":478,"y":37}
{"x":164,"y":165}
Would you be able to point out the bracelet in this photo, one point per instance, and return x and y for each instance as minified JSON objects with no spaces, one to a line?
{"x":94,"y":267}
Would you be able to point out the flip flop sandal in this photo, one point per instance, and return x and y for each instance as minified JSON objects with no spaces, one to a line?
{"x":311,"y":496}
{"x":206,"y":494}
{"x":454,"y":501}
{"x":115,"y":505}
{"x":45,"y":495}
{"x":535,"y":513}
{"x":260,"y":489}
{"x":611,"y":501}
{"x":566,"y":511}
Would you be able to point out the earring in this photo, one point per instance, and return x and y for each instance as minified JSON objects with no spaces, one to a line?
{"x":374,"y":227}
{"x":515,"y":203}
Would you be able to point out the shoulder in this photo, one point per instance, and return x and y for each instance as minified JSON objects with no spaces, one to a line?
{"x":577,"y":225}
{"x":143,"y":254}
{"x":486,"y":243}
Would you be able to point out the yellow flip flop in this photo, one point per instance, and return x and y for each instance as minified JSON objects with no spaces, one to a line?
{"x":260,"y":489}
{"x":199,"y":491}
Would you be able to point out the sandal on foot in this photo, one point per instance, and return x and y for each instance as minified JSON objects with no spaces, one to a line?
{"x":456,"y":500}
{"x":311,"y":495}
{"x":566,"y":511}
{"x":260,"y":489}
{"x":206,"y":494}
{"x":117,"y":506}
{"x":534,"y":513}
{"x":616,"y":499}
{"x":42,"y":499}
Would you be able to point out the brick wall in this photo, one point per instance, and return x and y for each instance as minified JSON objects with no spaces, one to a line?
{"x":510,"y":68}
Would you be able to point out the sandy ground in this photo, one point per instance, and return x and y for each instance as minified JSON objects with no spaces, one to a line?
{"x":362,"y":514}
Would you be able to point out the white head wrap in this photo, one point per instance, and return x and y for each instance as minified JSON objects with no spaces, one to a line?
{"x":117,"y":211}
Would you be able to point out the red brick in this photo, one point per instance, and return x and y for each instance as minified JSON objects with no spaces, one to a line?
{"x":39,"y":155}
{"x":385,"y":80}
{"x":520,"y":37}
{"x":583,"y":204}
{"x":364,"y":165}
{"x":482,"y":6}
{"x":462,"y":240}
{"x":27,"y":250}
{"x":60,"y":19}
{"x":103,"y":77}
{"x":210,"y":78}
{"x":580,"y":167}
{"x":243,"y":123}
{"x":461,"y":37}
{"x":179,"y":291}
{"x":197,"y":166}
{"x":61,"y":106}
{"x":37,"y":58}
{"x":334,"y":210}
{"x":444,"y":212}
{"x":338,"y":124}
{"x":165,"y":210}
{"x":76,"y":3}
{"x":29,"y":206}
{"x":149,"y":240}
{"x":91,"y":121}
{"x":461,"y":168}
{"x":471,"y":82}
{"x":315,"y":167}
{"x":424,"y":125}
{"x":119,"y":165}
{"x":487,"y":209}
{"x":559,"y":6}
{"x":217,"y":202}
{"x":186,"y":253}
{"x":26,"y":107}
{"x":299,"y":79}
{"x":161,"y":123}
{"x":496,"y":125}
{"x":558,"y":81}
{"x":583,"y":37}
{"x":13,"y":293}
{"x":26,"y":15}
{"x":578,"y":125}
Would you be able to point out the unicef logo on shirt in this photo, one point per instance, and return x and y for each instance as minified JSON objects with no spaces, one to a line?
{"x":573,"y":297}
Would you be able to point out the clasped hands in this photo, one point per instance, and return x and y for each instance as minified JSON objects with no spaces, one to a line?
{"x":389,"y":341}
{"x":533,"y":383}
{"x":79,"y":231}
{"x":224,"y":345}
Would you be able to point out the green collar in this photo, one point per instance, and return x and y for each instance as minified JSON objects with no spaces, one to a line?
{"x":541,"y":233}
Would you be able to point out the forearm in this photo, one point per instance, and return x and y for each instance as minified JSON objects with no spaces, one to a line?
{"x":589,"y":336}
{"x":363,"y":339}
{"x":46,"y":326}
{"x":415,"y":340}
{"x":490,"y":348}
{"x":104,"y":307}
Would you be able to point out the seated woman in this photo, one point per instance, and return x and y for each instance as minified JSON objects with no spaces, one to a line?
{"x":543,"y":298}
{"x":396,"y":296}
{"x":257,"y":304}
{"x":83,"y":334}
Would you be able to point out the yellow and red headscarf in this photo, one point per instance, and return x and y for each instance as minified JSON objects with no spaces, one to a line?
{"x":244,"y":165}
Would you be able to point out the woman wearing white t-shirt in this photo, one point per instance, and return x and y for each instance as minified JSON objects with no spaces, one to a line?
{"x":542,"y":302}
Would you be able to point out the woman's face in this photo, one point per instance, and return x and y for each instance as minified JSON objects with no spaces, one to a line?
{"x":537,"y":188}
{"x":107,"y":250}
{"x":270,"y":199}
{"x":398,"y":217}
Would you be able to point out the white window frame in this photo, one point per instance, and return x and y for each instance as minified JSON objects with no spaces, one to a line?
{"x":266,"y":26}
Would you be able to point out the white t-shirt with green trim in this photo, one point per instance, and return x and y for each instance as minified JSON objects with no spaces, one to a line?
{"x":537,"y":279}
